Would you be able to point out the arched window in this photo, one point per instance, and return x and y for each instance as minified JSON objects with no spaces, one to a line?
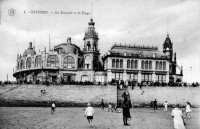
{"x":95,"y":46}
{"x":88,"y":46}
{"x":113,"y":63}
{"x":22,"y":64}
{"x":164,"y":65}
{"x":28,"y":62}
{"x":117,"y":63}
{"x":121,"y":63}
{"x":69,"y":62}
{"x":132,"y":64}
{"x":18,"y":65}
{"x":150,"y":64}
{"x":88,"y":62}
{"x":146,"y":64}
{"x":160,"y":65}
{"x":142,"y":64}
{"x":156,"y":65}
{"x":136,"y":64}
{"x":52,"y":60}
{"x":128,"y":63}
{"x":38,"y":61}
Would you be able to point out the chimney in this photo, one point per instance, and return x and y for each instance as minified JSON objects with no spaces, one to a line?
{"x":30,"y":44}
{"x":69,"y":40}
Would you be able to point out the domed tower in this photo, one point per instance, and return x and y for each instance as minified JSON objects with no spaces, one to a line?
{"x":90,"y":50}
{"x":168,"y":47}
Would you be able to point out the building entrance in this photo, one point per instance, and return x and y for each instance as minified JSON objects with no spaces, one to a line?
{"x":84,"y":78}
{"x":68,"y":77}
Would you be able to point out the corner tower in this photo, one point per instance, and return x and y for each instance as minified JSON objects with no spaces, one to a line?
{"x":90,"y":50}
{"x":168,"y":48}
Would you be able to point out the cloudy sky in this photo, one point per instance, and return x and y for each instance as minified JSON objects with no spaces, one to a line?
{"x":122,"y":21}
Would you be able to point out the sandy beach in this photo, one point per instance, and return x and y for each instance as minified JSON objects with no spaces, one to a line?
{"x":73,"y":118}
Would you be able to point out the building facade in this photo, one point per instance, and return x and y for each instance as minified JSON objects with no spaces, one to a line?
{"x":67,"y":63}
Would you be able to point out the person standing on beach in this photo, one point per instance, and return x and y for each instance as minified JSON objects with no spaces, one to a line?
{"x":53,"y":108}
{"x":126,"y":110}
{"x":177,"y":116}
{"x":165,"y":106}
{"x":188,"y":110}
{"x":155,"y":106}
{"x":110,"y":107}
{"x":89,"y":112}
{"x":102,"y":105}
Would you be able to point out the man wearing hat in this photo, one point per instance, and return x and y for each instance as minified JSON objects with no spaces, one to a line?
{"x":89,"y":112}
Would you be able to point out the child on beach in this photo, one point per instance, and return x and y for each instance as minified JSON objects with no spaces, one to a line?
{"x":188,"y":110}
{"x":89,"y":112}
{"x":53,"y":108}
{"x":165,"y":106}
{"x":110,"y":107}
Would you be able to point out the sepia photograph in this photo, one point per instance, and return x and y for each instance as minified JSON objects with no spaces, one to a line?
{"x":99,"y":64}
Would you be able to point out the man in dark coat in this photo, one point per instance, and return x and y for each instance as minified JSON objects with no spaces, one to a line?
{"x":102,"y":105}
{"x":126,"y":110}
{"x":155,"y":105}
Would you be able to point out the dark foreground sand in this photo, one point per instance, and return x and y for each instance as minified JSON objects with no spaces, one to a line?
{"x":73,"y":118}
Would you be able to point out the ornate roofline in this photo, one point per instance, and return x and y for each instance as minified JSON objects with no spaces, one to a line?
{"x":135,"y":46}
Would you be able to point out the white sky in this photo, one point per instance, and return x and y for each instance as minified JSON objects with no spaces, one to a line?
{"x":121,"y":21}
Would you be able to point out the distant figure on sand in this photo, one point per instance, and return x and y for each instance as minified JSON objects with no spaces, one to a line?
{"x":155,"y":106}
{"x":110,"y":107}
{"x":89,"y":112}
{"x":177,"y":116}
{"x":102,"y":105}
{"x":188,"y":110}
{"x":53,"y":108}
{"x":165,"y":106}
{"x":126,"y":110}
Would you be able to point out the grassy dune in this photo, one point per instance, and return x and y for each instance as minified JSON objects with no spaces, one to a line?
{"x":72,"y":95}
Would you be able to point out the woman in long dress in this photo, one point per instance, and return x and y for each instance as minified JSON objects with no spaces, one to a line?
{"x":126,"y":110}
{"x":178,"y":120}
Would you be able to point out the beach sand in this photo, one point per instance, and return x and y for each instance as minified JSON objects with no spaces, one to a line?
{"x":73,"y":118}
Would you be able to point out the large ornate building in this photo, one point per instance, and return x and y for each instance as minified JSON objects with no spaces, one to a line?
{"x":66,"y":62}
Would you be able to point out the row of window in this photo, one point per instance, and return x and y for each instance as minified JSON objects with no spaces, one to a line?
{"x":117,"y":63}
{"x":146,"y":65}
{"x":133,"y":64}
{"x":144,"y":77}
{"x":52,"y":61}
{"x":160,"y":65}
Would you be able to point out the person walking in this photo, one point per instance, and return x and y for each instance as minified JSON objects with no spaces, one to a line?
{"x":110,"y":107}
{"x":188,"y":110}
{"x":126,"y":110}
{"x":102,"y":105}
{"x":165,"y":106}
{"x":53,"y":108}
{"x":155,"y":105}
{"x":177,"y":116}
{"x":89,"y":112}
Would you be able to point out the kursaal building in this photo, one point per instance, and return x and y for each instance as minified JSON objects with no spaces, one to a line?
{"x":66,"y":62}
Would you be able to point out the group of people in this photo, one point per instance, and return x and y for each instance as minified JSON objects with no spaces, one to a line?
{"x":177,"y":114}
{"x":154,"y":104}
{"x":126,"y":105}
{"x":178,"y":117}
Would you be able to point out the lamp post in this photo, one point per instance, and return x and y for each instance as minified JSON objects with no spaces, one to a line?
{"x":191,"y":74}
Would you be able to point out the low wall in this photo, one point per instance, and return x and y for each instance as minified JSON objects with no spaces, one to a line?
{"x":65,"y":95}
{"x":174,"y":95}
